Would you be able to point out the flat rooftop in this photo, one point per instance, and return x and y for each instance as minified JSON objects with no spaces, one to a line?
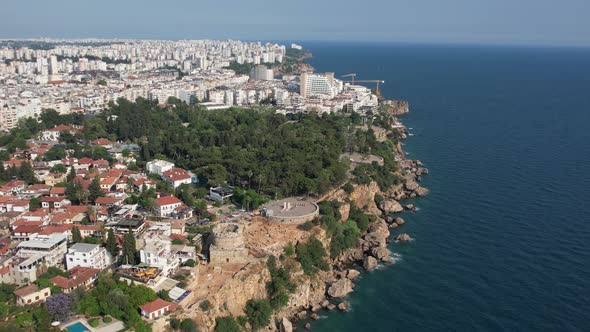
{"x":291,"y":207}
{"x":83,"y":247}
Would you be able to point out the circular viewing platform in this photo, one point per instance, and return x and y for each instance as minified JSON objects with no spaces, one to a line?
{"x":290,"y":211}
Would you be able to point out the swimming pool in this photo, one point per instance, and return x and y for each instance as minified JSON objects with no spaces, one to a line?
{"x":77,"y":327}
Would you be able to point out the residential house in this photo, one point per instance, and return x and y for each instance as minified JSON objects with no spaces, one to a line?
{"x":158,"y":166}
{"x":79,"y":277}
{"x":52,"y":203}
{"x":221,"y":194}
{"x":178,"y":176}
{"x":157,"y":308}
{"x":12,"y":187}
{"x":31,"y":294}
{"x":166,"y":206}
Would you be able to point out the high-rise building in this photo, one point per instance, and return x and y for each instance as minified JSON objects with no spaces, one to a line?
{"x":261,"y":73}
{"x":53,"y":65}
{"x":318,"y":85}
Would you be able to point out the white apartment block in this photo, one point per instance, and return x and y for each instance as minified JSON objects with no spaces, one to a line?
{"x":87,"y":255}
{"x":158,"y":166}
{"x":53,"y":249}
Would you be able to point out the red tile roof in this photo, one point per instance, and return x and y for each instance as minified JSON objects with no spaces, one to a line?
{"x":78,"y":276}
{"x":167,"y":200}
{"x":51,"y":229}
{"x":102,"y":141}
{"x":158,"y":304}
{"x":60,"y":128}
{"x":30,"y":289}
{"x":27,"y":229}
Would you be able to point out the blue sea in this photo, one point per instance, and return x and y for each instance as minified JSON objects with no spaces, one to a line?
{"x":503,"y":241}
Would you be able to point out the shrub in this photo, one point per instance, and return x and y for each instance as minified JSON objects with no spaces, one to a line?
{"x":93,"y":322}
{"x":311,"y":256}
{"x":307,"y":226}
{"x":378,"y":199}
{"x":107,"y":319}
{"x":258,"y":313}
{"x":174,"y":323}
{"x":226,"y":324}
{"x":348,"y":187}
{"x":190,"y":262}
{"x":205,"y":305}
{"x":187,"y":325}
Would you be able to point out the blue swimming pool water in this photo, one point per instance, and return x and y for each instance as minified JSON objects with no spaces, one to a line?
{"x":77,"y":327}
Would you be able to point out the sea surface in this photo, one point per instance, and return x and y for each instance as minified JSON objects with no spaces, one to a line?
{"x":503,"y":241}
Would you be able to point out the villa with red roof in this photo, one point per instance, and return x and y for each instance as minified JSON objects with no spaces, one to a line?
{"x":31,"y":294}
{"x":103,"y":142}
{"x":53,"y":134}
{"x":177,"y":176}
{"x":166,"y":206}
{"x":79,"y":277}
{"x":157,"y":308}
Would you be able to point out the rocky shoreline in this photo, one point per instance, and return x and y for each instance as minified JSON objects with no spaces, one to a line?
{"x":372,"y":248}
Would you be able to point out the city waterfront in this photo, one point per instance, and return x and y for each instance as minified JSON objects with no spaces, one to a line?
{"x":501,"y":240}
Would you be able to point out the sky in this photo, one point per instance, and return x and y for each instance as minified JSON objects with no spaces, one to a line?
{"x":522,"y":22}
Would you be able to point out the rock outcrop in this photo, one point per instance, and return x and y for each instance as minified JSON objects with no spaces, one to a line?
{"x":285,"y":325}
{"x":380,"y":253}
{"x":340,"y":288}
{"x":390,"y":206}
{"x":370,"y":263}
{"x":403,"y":237}
{"x":352,"y":274}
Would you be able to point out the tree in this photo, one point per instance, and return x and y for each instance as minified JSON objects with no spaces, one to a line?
{"x":188,"y":325}
{"x":59,"y":307}
{"x":226,"y":324}
{"x":34,"y":204}
{"x":26,"y":173}
{"x":129,"y":249}
{"x":55,"y":153}
{"x":59,"y":168}
{"x":111,"y":244}
{"x":258,"y":313}
{"x":74,"y":191}
{"x":94,"y":190}
{"x":311,"y":256}
{"x":76,"y":235}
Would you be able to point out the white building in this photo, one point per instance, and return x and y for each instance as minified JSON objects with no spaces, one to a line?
{"x":159,"y":252}
{"x":53,"y":249}
{"x":261,"y":73}
{"x":167,"y":205}
{"x":158,"y":166}
{"x":31,"y":295}
{"x":88,"y":255}
{"x":319,"y":85}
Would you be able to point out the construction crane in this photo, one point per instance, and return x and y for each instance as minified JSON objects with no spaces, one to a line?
{"x":350,"y":75}
{"x":353,"y":75}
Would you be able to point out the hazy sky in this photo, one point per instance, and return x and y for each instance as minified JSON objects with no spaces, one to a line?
{"x":550,"y":22}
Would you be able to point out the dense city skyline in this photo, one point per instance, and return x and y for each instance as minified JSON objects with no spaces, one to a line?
{"x":458,"y":21}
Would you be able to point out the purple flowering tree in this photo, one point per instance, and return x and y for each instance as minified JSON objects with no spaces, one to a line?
{"x":60,"y":307}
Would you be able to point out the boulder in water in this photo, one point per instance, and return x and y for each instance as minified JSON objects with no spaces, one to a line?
{"x":403,"y":237}
{"x":370,"y":263}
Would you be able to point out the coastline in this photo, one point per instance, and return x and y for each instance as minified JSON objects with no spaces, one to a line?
{"x":372,"y":249}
